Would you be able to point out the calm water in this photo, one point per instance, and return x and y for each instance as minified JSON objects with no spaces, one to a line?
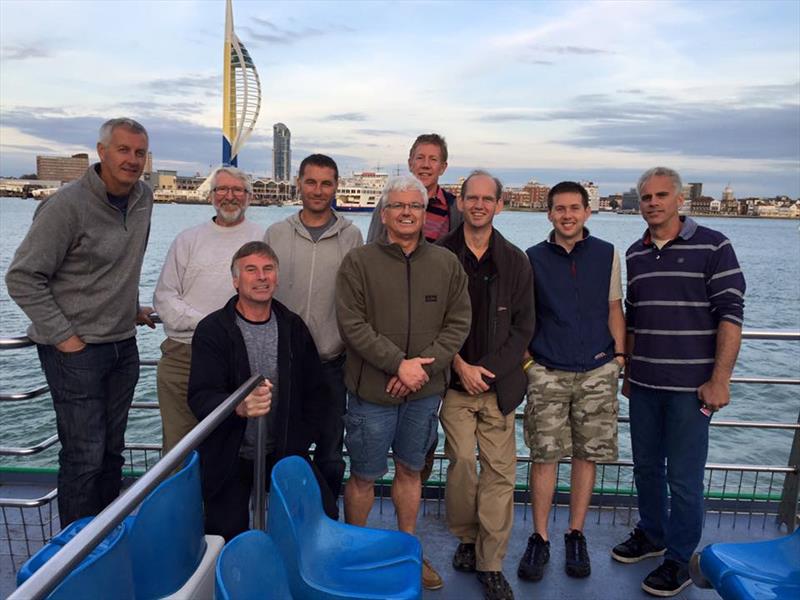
{"x":768,"y":250}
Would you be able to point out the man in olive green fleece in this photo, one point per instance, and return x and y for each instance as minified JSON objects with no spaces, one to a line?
{"x":403,"y":311}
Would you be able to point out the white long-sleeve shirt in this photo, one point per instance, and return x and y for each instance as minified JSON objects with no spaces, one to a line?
{"x":196,"y":277}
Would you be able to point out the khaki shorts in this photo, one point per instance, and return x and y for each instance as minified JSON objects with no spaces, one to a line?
{"x":572,"y":414}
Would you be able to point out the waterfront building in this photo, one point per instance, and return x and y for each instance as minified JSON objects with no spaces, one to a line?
{"x":62,"y":168}
{"x":594,"y":194}
{"x":268,"y":191}
{"x":630,"y":201}
{"x":281,"y":152}
{"x":701,"y":205}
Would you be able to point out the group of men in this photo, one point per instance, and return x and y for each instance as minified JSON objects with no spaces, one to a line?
{"x":436,"y":318}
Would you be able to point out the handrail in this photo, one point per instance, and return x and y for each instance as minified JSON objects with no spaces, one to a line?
{"x":43,"y":581}
{"x":11,"y":343}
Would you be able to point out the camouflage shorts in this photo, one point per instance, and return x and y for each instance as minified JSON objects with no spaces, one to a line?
{"x":572,"y":414}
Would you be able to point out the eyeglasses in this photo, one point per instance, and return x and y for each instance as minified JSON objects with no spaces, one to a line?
{"x":223,"y":190}
{"x":415,"y":206}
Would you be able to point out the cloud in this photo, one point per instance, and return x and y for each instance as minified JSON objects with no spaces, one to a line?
{"x":24,"y":52}
{"x":269,"y":32}
{"x":380,"y":132}
{"x":577,"y":50}
{"x":533,"y":61}
{"x":187,"y":85}
{"x":348,"y":116}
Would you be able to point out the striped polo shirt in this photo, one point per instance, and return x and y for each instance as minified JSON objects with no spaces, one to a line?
{"x":675,"y":300}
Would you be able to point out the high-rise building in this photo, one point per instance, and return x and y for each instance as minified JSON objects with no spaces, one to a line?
{"x":695,"y":191}
{"x":594,"y":194}
{"x":630,"y":200}
{"x":62,"y":168}
{"x":281,"y":152}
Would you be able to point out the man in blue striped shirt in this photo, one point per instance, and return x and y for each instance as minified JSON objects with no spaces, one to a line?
{"x":685,"y":304}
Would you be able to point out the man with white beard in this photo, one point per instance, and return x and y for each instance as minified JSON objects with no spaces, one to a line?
{"x":194,"y":282}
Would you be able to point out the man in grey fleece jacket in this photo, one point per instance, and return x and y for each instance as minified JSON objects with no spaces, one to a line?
{"x":76,"y":276}
{"x":311,"y":245}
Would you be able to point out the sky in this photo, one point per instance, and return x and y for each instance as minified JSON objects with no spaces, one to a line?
{"x":549,"y":91}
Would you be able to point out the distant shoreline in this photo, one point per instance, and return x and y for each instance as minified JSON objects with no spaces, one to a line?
{"x":514,"y":209}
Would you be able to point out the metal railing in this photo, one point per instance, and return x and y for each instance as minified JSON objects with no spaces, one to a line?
{"x":115,"y":513}
{"x":61,"y":564}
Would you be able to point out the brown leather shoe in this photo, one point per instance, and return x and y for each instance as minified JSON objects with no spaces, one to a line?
{"x":430,"y":578}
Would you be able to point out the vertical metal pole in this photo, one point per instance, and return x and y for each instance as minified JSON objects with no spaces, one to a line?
{"x":260,"y":475}
{"x":788,"y":510}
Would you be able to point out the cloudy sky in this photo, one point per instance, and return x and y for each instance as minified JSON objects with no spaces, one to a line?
{"x":544,"y":90}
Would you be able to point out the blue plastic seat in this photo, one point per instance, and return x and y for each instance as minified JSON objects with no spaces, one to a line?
{"x":158,"y":549}
{"x":326,"y":559}
{"x":250,"y":568}
{"x":757,"y":570}
{"x":167,"y":539}
{"x":104,"y":574}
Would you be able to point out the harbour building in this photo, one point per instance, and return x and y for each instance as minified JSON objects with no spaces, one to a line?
{"x":62,"y":168}
{"x":281,"y":152}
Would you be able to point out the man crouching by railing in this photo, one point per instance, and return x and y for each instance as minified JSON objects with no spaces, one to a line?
{"x":252,"y":334}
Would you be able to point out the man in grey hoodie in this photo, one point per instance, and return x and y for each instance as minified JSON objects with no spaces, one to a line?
{"x":311,"y":245}
{"x":76,"y":276}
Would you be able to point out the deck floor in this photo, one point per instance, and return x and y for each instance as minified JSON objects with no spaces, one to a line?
{"x":605,"y":528}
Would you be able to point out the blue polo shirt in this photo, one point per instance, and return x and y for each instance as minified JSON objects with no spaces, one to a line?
{"x":676,"y":297}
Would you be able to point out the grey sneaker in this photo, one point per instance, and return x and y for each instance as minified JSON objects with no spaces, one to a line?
{"x":495,"y":585}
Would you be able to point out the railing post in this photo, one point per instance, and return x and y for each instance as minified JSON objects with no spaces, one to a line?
{"x":260,"y":474}
{"x":787,"y":511}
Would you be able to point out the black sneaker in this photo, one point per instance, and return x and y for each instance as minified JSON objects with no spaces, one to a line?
{"x":637,"y":547}
{"x":668,"y":579}
{"x":464,"y":558}
{"x":495,"y":585}
{"x":577,"y":563}
{"x":531,"y":565}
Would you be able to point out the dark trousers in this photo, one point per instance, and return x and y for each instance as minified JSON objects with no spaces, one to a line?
{"x":669,"y":436}
{"x":228,"y":510}
{"x":328,"y":453}
{"x":92,"y":391}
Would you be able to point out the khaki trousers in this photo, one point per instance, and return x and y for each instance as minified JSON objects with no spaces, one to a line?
{"x":480,"y":508}
{"x":172,"y":381}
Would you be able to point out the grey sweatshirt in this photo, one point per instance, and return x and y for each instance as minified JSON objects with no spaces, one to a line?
{"x":77,"y":270}
{"x":307,"y":275}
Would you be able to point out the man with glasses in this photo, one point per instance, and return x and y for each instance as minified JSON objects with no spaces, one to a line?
{"x":404,"y":312}
{"x":486,"y":386}
{"x":195,"y":281}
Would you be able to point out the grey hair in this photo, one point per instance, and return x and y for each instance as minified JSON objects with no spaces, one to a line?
{"x":107,"y":129}
{"x":233,"y":172}
{"x":403,"y":183}
{"x":250,"y":248}
{"x":498,"y":186}
{"x":677,"y":184}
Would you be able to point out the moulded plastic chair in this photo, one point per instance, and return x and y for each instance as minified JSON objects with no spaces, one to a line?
{"x":326,"y":559}
{"x":104,"y":574}
{"x":755,"y":570}
{"x":167,"y":541}
{"x":250,"y":568}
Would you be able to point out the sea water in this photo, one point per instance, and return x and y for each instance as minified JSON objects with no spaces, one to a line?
{"x":768,"y":251}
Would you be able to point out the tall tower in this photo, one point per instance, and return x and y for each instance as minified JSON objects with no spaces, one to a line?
{"x":281,"y":152}
{"x":241,"y":97}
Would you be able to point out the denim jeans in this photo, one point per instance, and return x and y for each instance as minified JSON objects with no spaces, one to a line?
{"x":92,"y":391}
{"x":669,"y":436}
{"x":328,"y":450}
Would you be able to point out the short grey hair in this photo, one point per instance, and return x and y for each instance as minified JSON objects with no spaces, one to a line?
{"x":250,"y":248}
{"x":233,"y":172}
{"x":403,"y":183}
{"x":677,"y":184}
{"x":107,"y":129}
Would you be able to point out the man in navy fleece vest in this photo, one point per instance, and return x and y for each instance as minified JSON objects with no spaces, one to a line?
{"x":685,"y":304}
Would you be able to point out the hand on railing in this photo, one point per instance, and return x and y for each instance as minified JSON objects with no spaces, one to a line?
{"x":258,"y":402}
